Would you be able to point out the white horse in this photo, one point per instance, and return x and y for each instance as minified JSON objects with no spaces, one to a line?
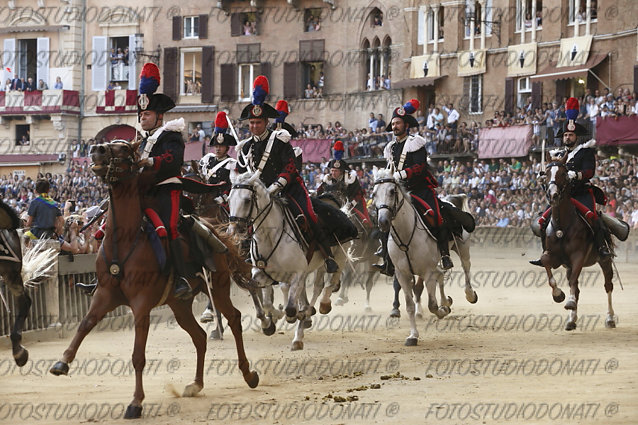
{"x":412,"y":249}
{"x":277,"y":255}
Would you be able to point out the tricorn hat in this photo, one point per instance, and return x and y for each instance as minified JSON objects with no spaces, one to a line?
{"x":258,"y":108}
{"x":339,"y":164}
{"x":571,"y":110}
{"x":405,"y":113}
{"x":221,"y":127}
{"x":148,"y":100}
{"x":280,"y":122}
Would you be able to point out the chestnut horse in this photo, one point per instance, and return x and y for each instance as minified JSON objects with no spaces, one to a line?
{"x":570,"y":243}
{"x":129,"y":274}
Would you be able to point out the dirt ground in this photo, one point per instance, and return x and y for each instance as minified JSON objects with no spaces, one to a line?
{"x":505,"y":359}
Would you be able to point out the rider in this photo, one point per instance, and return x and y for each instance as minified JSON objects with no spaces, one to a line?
{"x":280,"y":123}
{"x":271,"y":153}
{"x":406,"y":154}
{"x":581,"y":163}
{"x":218,"y":165}
{"x":163,"y":153}
{"x":344,"y":184}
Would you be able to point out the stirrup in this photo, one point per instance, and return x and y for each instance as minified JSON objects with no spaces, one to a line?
{"x":182,"y":289}
{"x":536,"y":262}
{"x":87,"y":288}
{"x":446,"y":262}
{"x":331,"y":265}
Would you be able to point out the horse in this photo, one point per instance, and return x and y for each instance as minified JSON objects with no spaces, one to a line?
{"x":460,"y":245}
{"x":411,"y":247}
{"x":19,"y":272}
{"x":570,"y":243}
{"x":129,"y":273}
{"x":278,"y":255}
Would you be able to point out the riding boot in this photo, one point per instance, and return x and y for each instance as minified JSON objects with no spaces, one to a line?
{"x":386,"y":268}
{"x":182,"y":289}
{"x":543,"y":237}
{"x":324,"y":247}
{"x":599,"y":238}
{"x":443,"y":243}
{"x":87,"y":288}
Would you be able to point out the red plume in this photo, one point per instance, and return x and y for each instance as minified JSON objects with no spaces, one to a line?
{"x":282,"y":106}
{"x":220,"y":120}
{"x":263,"y":82}
{"x":415,"y":103}
{"x":338,"y":145}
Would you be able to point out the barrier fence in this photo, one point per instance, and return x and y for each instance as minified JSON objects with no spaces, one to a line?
{"x":60,"y":302}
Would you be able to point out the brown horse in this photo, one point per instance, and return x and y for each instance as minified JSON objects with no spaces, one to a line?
{"x":570,"y":243}
{"x":128,"y":274}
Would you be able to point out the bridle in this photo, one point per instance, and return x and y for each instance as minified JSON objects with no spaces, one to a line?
{"x":116,"y":165}
{"x":396,"y":205}
{"x":561,"y":190}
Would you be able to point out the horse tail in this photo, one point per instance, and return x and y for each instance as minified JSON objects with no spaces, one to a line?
{"x":38,"y":263}
{"x":465,"y":206}
{"x":240,"y":271}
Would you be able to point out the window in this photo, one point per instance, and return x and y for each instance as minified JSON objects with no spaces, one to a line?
{"x":528,"y":14}
{"x":524,"y":91}
{"x":191,"y":27}
{"x":243,"y":24}
{"x":23,"y":135}
{"x":376,"y":18}
{"x":191,"y":72}
{"x":439,"y":24}
{"x":119,"y":59}
{"x":581,"y":16}
{"x":312,"y":20}
{"x":247,"y":74}
{"x":476,"y":94}
{"x":312,"y":73}
{"x":474,"y":12}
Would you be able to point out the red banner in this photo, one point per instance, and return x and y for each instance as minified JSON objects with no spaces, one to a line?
{"x":505,"y":142}
{"x":617,"y":131}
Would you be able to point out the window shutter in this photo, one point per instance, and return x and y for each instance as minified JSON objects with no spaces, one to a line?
{"x":43,"y":60}
{"x":291,"y":80}
{"x":203,"y":27}
{"x":177,"y":27}
{"x":466,"y":100}
{"x":509,"y":95}
{"x":99,"y":64}
{"x":561,"y":91}
{"x":235,"y":25}
{"x":537,"y":94}
{"x":266,"y":72}
{"x":421,"y":27}
{"x":228,"y":86}
{"x":171,"y":62}
{"x":208,"y":74}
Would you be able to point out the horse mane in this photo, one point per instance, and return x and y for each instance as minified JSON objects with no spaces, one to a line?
{"x":385,"y":173}
{"x":10,"y":219}
{"x":240,"y":269}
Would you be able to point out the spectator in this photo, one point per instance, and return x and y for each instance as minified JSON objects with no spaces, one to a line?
{"x":372,"y":123}
{"x":45,"y":219}
{"x":309,"y":93}
{"x":7,"y":85}
{"x":201,"y":134}
{"x":320,"y":84}
{"x":380,"y":123}
{"x":16,"y":83}
{"x":42,"y":85}
{"x":58,"y":83}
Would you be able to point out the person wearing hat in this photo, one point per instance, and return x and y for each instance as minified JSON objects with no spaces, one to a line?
{"x":345,"y":185}
{"x":280,"y":124}
{"x":163,"y":153}
{"x":217,"y":165}
{"x":581,"y":163}
{"x":406,"y":154}
{"x":277,"y":169}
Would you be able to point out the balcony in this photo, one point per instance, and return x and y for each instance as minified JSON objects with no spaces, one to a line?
{"x":39,"y":102}
{"x":116,"y":102}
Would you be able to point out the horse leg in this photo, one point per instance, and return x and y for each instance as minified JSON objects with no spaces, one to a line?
{"x":265,"y":323}
{"x":345,"y":284}
{"x":407,"y":284}
{"x":418,"y":291}
{"x":610,"y":321}
{"x":325,"y":305}
{"x":464,"y":254}
{"x":317,"y":287}
{"x":433,"y":305}
{"x":142,"y":323}
{"x":297,"y":342}
{"x":221,"y":298}
{"x":369,"y":285}
{"x":572,"y":301}
{"x":23,"y":301}
{"x":557,"y":294}
{"x":184,"y":316}
{"x":446,"y":301}
{"x":102,"y":302}
{"x":396,"y":304}
{"x":296,"y":300}
{"x":293,"y":296}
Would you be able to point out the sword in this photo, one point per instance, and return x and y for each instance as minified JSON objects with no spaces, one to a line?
{"x":543,"y":156}
{"x":232,"y":129}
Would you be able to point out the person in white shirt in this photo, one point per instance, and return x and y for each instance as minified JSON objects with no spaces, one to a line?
{"x":452,"y":117}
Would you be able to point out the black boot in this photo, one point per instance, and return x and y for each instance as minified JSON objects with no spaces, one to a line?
{"x":324,"y":247}
{"x":182,"y":289}
{"x":599,"y":239}
{"x":443,"y":243}
{"x":543,"y":236}
{"x":386,"y":268}
{"x":87,"y":288}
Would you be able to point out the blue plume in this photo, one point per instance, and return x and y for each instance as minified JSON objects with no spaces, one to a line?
{"x":338,"y":155}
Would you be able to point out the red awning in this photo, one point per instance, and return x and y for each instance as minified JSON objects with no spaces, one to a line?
{"x":552,"y":72}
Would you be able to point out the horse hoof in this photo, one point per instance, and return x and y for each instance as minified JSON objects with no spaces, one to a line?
{"x":313,"y":310}
{"x":324,"y":308}
{"x":133,"y":412}
{"x":443,"y":311}
{"x":449,"y":301}
{"x":410,"y":342}
{"x":337,"y":287}
{"x":570,"y":326}
{"x":60,"y":368}
{"x":291,"y":312}
{"x":22,"y":357}
{"x":291,"y":319}
{"x":297,"y":345}
{"x":192,"y":389}
{"x":341,"y":301}
{"x":610,"y":323}
{"x":570,"y":305}
{"x":215,"y":335}
{"x":473,"y":300}
{"x":559,"y":298}
{"x":307,"y":324}
{"x":269,"y":330}
{"x":253,"y":379}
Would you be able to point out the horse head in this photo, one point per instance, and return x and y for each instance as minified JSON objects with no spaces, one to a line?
{"x":387,"y":198}
{"x":115,"y":161}
{"x":558,"y":185}
{"x":247,"y":197}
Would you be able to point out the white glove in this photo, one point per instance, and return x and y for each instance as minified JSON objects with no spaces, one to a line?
{"x":219,"y":200}
{"x":541,"y":177}
{"x":400,"y":175}
{"x":274,"y":188}
{"x":572,"y":174}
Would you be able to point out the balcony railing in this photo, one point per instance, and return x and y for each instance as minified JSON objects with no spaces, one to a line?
{"x":39,"y":102}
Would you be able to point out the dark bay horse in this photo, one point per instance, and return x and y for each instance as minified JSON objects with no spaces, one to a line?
{"x":129,"y":274}
{"x":570,"y":243}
